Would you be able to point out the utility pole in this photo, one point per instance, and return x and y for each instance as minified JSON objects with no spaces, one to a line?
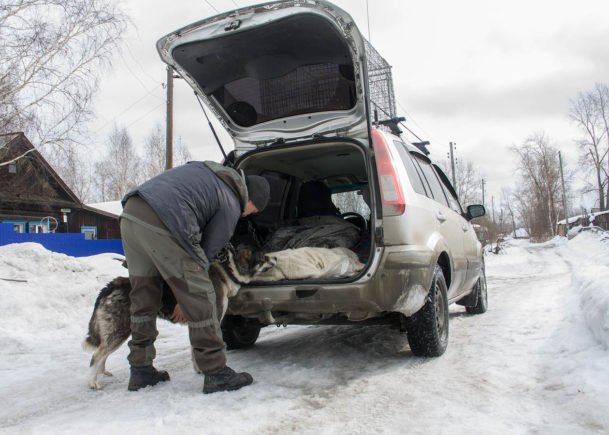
{"x":169,"y":129}
{"x":452,"y":163}
{"x":493,"y":206}
{"x":564,"y":193}
{"x":483,"y":182}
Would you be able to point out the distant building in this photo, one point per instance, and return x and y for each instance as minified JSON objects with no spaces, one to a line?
{"x":594,"y":218}
{"x":35,"y":199}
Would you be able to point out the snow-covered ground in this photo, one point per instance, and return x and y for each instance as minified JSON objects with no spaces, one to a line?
{"x":536,"y":362}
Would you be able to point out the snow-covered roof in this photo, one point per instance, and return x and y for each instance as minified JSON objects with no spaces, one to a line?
{"x":597,"y":213}
{"x":571,"y":219}
{"x":112,"y":207}
{"x":591,"y":216}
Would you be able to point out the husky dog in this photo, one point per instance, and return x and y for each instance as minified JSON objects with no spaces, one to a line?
{"x":311,"y":263}
{"x":110,"y":326}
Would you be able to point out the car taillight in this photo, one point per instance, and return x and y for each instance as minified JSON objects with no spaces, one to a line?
{"x":391,"y":193}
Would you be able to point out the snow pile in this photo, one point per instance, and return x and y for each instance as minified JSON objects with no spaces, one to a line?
{"x":42,"y":292}
{"x":591,"y":278}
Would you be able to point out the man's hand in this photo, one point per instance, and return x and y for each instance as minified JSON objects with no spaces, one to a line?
{"x":178,"y":315}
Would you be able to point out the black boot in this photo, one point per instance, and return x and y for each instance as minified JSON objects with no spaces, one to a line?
{"x":226,"y":380}
{"x":144,"y":376}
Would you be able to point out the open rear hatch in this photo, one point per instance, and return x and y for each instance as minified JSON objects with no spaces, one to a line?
{"x":277,"y":71}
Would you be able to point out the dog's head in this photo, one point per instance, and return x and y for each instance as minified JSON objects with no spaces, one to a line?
{"x":244,"y":263}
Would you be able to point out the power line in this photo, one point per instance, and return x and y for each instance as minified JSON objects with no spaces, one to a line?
{"x":145,"y":115}
{"x":410,"y":118}
{"x":139,"y":64}
{"x":126,"y":64}
{"x":127,"y":109}
{"x":368,"y":19}
{"x":212,"y":6}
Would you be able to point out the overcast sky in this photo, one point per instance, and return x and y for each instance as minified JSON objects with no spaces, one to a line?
{"x":483,"y":74}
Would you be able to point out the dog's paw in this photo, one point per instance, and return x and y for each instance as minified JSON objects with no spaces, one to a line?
{"x":94,"y":385}
{"x":107,"y":373}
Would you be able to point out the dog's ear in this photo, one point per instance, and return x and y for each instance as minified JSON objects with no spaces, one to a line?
{"x":268,"y":263}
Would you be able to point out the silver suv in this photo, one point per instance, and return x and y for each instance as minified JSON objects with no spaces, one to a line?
{"x":291,"y":82}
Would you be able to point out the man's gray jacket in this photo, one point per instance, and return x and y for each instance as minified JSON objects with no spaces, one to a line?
{"x":199,"y":203}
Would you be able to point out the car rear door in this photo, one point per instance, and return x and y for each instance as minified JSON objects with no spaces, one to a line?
{"x":471,"y":245}
{"x":449,"y":223}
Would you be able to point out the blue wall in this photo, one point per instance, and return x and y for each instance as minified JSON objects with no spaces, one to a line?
{"x":72,"y":244}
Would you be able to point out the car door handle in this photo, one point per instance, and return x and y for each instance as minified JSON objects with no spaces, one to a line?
{"x":440,"y":216}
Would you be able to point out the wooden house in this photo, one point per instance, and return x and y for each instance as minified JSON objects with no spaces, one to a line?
{"x":35,"y":199}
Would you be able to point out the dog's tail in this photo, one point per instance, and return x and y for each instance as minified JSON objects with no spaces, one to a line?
{"x":89,"y":344}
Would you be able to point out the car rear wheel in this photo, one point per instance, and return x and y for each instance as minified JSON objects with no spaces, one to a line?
{"x":239,"y":332}
{"x":427,"y":329}
{"x":481,"y":295}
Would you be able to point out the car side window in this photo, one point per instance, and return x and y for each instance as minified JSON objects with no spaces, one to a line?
{"x":432,"y":180}
{"x":449,"y":191}
{"x":413,"y":175}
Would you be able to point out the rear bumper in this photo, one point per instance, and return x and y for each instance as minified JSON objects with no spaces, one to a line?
{"x":397,"y":281}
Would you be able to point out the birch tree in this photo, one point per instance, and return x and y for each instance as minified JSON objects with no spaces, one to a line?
{"x":590,"y":112}
{"x":53,"y":52}
{"x":155,"y":147}
{"x":119,"y":171}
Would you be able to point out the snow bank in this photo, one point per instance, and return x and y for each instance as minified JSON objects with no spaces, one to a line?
{"x":591,"y":278}
{"x":43,"y":291}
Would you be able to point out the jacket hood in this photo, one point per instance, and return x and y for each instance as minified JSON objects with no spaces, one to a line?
{"x":233,"y":179}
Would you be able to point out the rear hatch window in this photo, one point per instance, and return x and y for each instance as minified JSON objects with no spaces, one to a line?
{"x":299,"y":64}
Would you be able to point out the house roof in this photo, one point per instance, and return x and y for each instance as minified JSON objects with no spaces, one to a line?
{"x":110,"y":208}
{"x":15,"y":146}
{"x":6,"y":138}
{"x":590,"y":216}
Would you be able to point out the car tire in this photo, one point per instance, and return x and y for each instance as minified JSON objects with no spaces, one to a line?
{"x":427,"y":329}
{"x":481,"y":304}
{"x":239,"y":332}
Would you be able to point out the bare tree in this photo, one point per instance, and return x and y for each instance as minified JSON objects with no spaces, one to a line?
{"x":468,"y":182}
{"x":602,"y":94}
{"x":119,"y":171}
{"x":155,"y":156}
{"x":52,"y":53}
{"x":523,"y":206}
{"x":75,"y":170}
{"x":181,"y":153}
{"x":508,"y":203}
{"x":539,"y":190}
{"x":590,"y":112}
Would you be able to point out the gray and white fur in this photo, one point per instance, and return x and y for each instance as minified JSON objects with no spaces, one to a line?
{"x":110,"y":325}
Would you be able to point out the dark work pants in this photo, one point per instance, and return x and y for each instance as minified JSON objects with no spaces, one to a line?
{"x":153,"y":255}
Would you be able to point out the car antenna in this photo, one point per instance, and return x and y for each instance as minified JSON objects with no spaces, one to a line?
{"x":226,"y":159}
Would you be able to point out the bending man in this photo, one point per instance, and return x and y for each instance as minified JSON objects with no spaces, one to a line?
{"x":172,"y":227}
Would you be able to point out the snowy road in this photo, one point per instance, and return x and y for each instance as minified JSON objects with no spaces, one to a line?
{"x":529,"y":365}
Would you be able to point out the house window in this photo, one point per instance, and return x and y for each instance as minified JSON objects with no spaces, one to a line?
{"x":18,"y":226}
{"x":89,"y":232}
{"x":12,"y":168}
{"x":38,"y":227}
